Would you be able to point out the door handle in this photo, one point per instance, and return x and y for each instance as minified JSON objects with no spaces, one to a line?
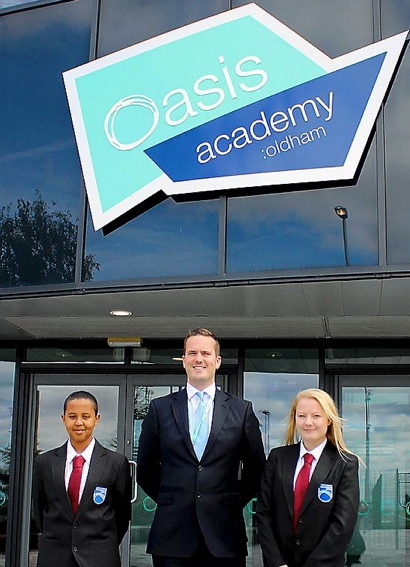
{"x":133,"y":466}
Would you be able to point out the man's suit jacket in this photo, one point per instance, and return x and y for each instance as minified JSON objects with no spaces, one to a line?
{"x":205,"y":496}
{"x":325,"y":527}
{"x":94,"y":533}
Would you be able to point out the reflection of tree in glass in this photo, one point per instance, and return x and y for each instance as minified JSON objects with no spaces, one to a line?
{"x":5,"y":456}
{"x":142,"y":398}
{"x":38,"y":244}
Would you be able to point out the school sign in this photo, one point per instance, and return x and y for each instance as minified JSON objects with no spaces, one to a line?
{"x":236,"y":100}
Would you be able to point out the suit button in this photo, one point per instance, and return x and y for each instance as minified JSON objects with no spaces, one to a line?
{"x":297,"y":542}
{"x":75,"y":526}
{"x":74,"y":549}
{"x":199,"y":495}
{"x":200,"y":468}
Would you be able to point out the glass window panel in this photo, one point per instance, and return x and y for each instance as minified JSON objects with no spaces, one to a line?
{"x":272,"y":378}
{"x":172,"y":239}
{"x":126,"y":22}
{"x":7,"y":368}
{"x":40,"y":171}
{"x":377,"y":422}
{"x":370,"y":355}
{"x":300,"y":229}
{"x":70,"y":355}
{"x":395,"y":19}
{"x":147,"y":355}
{"x":349,"y":24}
{"x":21,"y":4}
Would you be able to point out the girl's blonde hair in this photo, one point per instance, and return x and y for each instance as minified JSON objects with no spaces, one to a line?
{"x":334,"y":430}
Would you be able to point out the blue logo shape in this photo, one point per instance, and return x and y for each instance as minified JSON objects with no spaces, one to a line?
{"x":325,"y":492}
{"x":99,"y":495}
{"x":270,"y":109}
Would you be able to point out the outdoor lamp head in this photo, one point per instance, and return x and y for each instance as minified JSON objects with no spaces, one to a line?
{"x":341,"y":212}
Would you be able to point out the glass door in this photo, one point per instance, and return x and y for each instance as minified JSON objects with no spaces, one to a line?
{"x":140,"y":391}
{"x":50,"y":391}
{"x":377,"y":414}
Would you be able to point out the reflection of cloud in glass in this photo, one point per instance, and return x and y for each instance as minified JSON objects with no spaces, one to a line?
{"x":353,"y":20}
{"x":300,"y":229}
{"x":6,"y":402}
{"x":272,"y":395}
{"x":388,"y":421}
{"x":134,"y":250}
{"x":51,"y":430}
{"x":31,"y":103}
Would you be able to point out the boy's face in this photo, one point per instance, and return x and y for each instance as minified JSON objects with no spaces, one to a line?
{"x":80,"y":420}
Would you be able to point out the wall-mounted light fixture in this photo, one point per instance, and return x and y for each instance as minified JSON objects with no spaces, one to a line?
{"x":124,"y":342}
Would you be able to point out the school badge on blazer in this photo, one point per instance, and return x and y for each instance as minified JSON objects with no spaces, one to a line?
{"x":99,"y":494}
{"x":325,"y":492}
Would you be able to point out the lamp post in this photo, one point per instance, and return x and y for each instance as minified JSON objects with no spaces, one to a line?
{"x":343,"y":214}
{"x":266,"y":413}
{"x":367,"y":397}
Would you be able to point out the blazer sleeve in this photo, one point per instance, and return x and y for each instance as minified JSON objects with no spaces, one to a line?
{"x":343,"y":519}
{"x":38,"y":494}
{"x":253,"y":457}
{"x":148,"y":459}
{"x":265,"y":510}
{"x":122,"y":501}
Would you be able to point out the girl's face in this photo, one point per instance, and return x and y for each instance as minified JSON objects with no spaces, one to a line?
{"x":311,"y":422}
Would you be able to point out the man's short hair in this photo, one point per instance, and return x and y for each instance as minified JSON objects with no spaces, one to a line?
{"x":203,"y":333}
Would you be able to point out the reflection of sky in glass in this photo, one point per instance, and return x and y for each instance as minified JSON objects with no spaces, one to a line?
{"x":387,"y":420}
{"x":301,"y":230}
{"x":272,"y":395}
{"x":51,"y":430}
{"x":396,"y":18}
{"x":39,"y":153}
{"x":352,"y":20}
{"x":172,"y":239}
{"x":10,"y":3}
{"x":6,"y":403}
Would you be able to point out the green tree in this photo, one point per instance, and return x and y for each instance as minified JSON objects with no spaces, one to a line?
{"x":38,"y":245}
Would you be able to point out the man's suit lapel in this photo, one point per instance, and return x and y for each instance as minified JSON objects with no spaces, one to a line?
{"x":180,"y":411}
{"x":221,"y":409}
{"x":58,"y":463}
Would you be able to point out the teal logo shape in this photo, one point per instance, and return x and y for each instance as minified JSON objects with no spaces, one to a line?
{"x":232,"y":101}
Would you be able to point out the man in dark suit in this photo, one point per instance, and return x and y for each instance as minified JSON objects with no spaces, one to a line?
{"x":200,"y":492}
{"x":81,"y":525}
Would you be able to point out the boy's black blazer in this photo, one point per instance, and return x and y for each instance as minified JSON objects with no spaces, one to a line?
{"x":93,"y":534}
{"x":325,"y":527}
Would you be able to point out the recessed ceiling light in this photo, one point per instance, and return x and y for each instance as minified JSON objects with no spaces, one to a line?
{"x":120,"y":313}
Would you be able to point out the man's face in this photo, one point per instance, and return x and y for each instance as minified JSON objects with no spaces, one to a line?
{"x":80,"y":420}
{"x":200,"y":361}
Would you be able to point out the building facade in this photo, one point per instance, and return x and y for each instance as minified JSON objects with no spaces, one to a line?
{"x":298,"y":295}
